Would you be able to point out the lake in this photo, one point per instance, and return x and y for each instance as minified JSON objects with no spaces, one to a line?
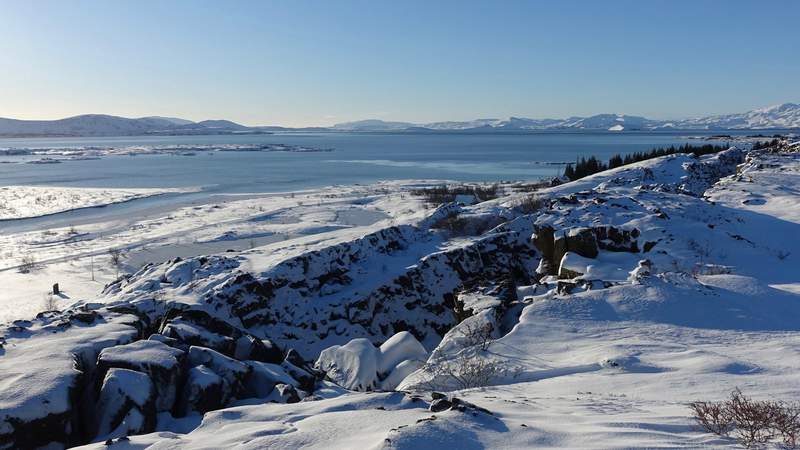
{"x":356,"y":158}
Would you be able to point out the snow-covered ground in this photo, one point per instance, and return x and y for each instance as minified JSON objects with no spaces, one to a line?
{"x":588,"y":318}
{"x":19,"y":202}
{"x":77,"y":256}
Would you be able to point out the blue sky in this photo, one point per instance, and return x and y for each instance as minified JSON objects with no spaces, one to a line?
{"x":321,"y":62}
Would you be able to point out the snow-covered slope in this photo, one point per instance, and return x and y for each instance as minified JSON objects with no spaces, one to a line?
{"x":588,"y":321}
{"x":786,"y":115}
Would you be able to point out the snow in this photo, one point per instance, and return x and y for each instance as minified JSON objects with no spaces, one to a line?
{"x":353,"y":365}
{"x":782,"y":116}
{"x":145,"y":353}
{"x":19,"y":202}
{"x":358,"y":365}
{"x":77,"y":256}
{"x":602,"y":360}
{"x":399,"y":348}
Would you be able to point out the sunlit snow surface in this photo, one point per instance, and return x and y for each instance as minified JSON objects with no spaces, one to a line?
{"x":603,"y":368}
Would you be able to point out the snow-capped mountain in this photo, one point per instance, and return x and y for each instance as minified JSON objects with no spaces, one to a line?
{"x":373,"y":125}
{"x":782,"y":116}
{"x":786,"y":115}
{"x":105,"y":125}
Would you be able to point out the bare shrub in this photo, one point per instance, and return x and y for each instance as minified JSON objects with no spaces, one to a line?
{"x":713,"y":417}
{"x":445,"y":194}
{"x":27,"y":264}
{"x":476,"y":334}
{"x":537,"y":185}
{"x":528,"y":204}
{"x":787,"y":423}
{"x":465,"y":370}
{"x":50,"y":303}
{"x":752,"y":422}
{"x":455,"y":225}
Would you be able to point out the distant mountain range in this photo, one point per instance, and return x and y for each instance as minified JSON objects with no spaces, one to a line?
{"x":782,"y":116}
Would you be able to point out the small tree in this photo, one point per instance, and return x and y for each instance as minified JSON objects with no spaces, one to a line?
{"x":115,"y":256}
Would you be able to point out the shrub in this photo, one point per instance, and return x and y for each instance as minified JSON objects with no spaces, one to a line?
{"x":752,"y":422}
{"x":27,"y":264}
{"x":766,"y":144}
{"x":49,"y":303}
{"x":445,"y":194}
{"x":456,"y":225}
{"x":528,"y":204}
{"x":465,"y":370}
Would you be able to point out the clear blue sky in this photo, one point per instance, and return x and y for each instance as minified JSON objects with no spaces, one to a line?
{"x":320,"y":62}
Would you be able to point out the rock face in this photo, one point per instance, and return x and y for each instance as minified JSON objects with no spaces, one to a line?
{"x":233,"y":372}
{"x":195,"y":327}
{"x":204,"y":391}
{"x":332,"y":294}
{"x":582,"y":241}
{"x":162,"y":363}
{"x":126,"y":404}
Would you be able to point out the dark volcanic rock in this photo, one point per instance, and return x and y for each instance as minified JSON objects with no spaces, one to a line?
{"x":234,"y":372}
{"x":204,"y":391}
{"x":126,"y":404}
{"x":162,"y":363}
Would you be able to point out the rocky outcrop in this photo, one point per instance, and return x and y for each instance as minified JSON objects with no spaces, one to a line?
{"x":196,"y":327}
{"x":583,"y":241}
{"x":162,"y":363}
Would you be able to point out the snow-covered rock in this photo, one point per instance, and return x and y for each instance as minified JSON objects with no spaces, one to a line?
{"x":360,"y":366}
{"x":353,"y":365}
{"x":126,"y":404}
{"x":203,"y":391}
{"x":234,"y":372}
{"x":398,"y":348}
{"x":162,"y":363}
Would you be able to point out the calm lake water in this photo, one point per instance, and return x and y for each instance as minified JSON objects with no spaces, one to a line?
{"x":356,"y":158}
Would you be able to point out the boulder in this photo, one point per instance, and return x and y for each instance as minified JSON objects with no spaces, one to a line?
{"x":617,"y":239}
{"x":250,"y":347}
{"x":126,"y":404}
{"x":263,"y":378}
{"x":284,"y":393}
{"x":359,"y":366}
{"x":172,"y":342}
{"x":581,"y":241}
{"x":305,"y":379}
{"x":440,"y":404}
{"x":403,"y":346}
{"x":204,"y":391}
{"x":162,"y":363}
{"x":234,"y":372}
{"x":352,"y":366}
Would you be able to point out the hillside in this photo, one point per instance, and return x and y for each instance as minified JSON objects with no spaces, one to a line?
{"x":584,"y":315}
{"x":104,"y":125}
{"x":785,"y":116}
